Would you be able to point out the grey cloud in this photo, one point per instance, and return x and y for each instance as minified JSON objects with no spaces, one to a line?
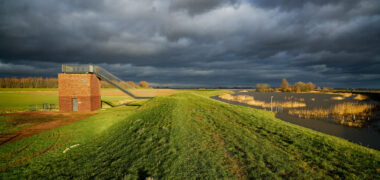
{"x":197,"y":42}
{"x":199,"y":6}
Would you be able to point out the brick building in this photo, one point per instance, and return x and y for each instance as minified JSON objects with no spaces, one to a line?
{"x":79,"y":92}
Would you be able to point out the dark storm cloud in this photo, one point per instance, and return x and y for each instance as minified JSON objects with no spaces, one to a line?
{"x":199,"y":6}
{"x":197,"y":43}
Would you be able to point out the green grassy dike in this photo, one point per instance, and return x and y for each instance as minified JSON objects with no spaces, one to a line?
{"x":187,"y":136}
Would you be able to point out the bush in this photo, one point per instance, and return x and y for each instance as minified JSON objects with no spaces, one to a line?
{"x":262,"y":87}
{"x":302,"y":87}
{"x":144,"y":84}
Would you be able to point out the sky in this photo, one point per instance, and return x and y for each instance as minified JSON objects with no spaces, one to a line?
{"x":197,"y":43}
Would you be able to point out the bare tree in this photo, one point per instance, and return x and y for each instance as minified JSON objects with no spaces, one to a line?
{"x":285,"y":86}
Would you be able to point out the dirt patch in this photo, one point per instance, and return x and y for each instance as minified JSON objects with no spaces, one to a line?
{"x":43,"y":121}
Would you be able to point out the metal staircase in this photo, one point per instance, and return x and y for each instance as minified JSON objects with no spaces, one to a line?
{"x":102,"y":74}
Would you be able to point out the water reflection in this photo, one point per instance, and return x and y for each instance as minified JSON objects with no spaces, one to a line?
{"x":367,"y":136}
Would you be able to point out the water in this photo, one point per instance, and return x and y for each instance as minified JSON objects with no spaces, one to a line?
{"x":367,"y":136}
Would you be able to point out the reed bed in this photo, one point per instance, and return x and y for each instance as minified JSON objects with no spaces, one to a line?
{"x":352,"y":108}
{"x":288,"y":97}
{"x":227,"y":96}
{"x":349,"y":113}
{"x":251,"y":101}
{"x":337,"y":98}
{"x":243,"y":98}
{"x":308,"y":114}
{"x":361,"y":97}
{"x":345,"y":95}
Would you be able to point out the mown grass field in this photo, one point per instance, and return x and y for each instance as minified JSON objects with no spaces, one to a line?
{"x":19,"y":102}
{"x":186,"y":136}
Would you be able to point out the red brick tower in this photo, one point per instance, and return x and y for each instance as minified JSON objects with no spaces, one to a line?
{"x":79,"y":92}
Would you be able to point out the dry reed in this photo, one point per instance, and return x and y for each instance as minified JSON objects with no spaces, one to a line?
{"x":337,"y":98}
{"x":346,"y":95}
{"x":352,"y":108}
{"x":361,"y":97}
{"x":349,"y":113}
{"x":251,"y":101}
{"x":243,"y":98}
{"x":226,"y":96}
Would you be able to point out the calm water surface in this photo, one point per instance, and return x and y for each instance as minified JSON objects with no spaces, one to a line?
{"x":367,"y":136}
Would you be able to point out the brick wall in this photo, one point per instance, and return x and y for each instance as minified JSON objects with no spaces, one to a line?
{"x":84,"y":87}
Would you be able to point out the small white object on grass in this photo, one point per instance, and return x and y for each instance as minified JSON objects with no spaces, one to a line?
{"x":66,"y":150}
{"x":73,"y":146}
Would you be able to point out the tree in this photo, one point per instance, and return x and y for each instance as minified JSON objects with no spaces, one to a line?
{"x":284,"y":85}
{"x":262,"y":87}
{"x":131,"y":84}
{"x":310,"y":86}
{"x":299,"y":87}
{"x":144,"y":84}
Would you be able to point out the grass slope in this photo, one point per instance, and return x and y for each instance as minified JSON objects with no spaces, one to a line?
{"x":191,"y":136}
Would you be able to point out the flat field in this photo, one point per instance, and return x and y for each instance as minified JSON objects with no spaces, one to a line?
{"x":186,"y":135}
{"x":22,"y":99}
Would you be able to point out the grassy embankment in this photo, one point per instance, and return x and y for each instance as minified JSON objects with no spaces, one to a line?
{"x":187,"y":136}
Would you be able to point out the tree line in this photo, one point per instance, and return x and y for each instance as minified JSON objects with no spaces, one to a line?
{"x":39,"y":82}
{"x":287,"y":87}
{"x":28,"y":82}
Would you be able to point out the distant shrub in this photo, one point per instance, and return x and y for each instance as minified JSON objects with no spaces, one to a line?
{"x":299,"y":87}
{"x":309,"y":86}
{"x":262,"y":87}
{"x":144,"y":84}
{"x":302,"y":87}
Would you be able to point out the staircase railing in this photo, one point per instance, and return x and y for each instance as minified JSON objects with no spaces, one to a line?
{"x":102,"y":74}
